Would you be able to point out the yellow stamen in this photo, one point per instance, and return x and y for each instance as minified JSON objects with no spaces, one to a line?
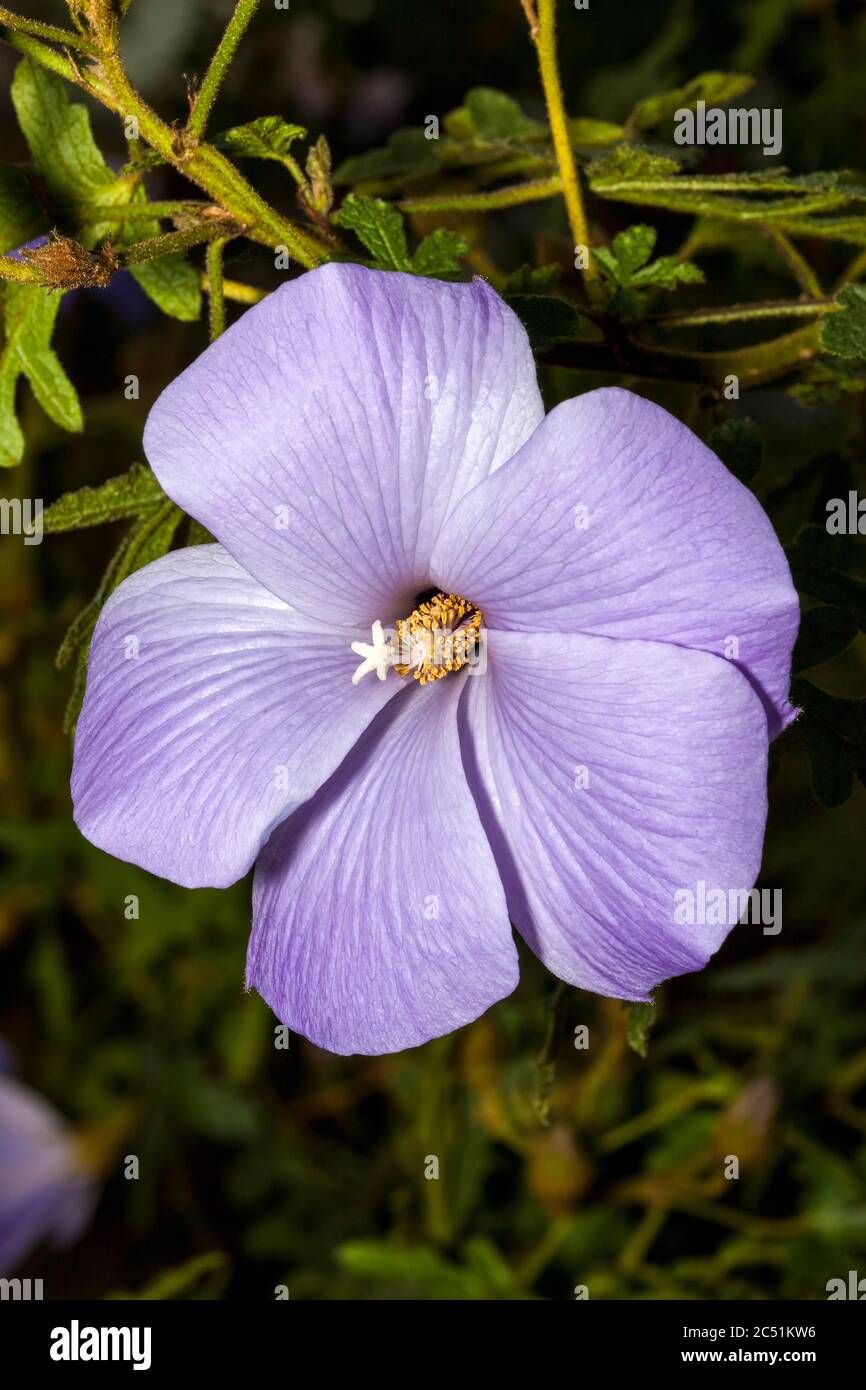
{"x":439,"y":636}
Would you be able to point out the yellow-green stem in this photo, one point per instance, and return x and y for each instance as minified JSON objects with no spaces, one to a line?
{"x":534,"y":190}
{"x":207,"y":94}
{"x":545,"y":43}
{"x":216,"y":289}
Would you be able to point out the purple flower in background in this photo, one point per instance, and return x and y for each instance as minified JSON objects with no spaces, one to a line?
{"x":371,"y":452}
{"x":46,"y":1193}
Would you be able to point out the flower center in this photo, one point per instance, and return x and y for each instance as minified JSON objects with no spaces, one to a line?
{"x":442,"y":634}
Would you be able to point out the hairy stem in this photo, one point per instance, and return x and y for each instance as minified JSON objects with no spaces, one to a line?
{"x":68,"y":37}
{"x":795,"y":261}
{"x":12,"y":269}
{"x":545,"y":43}
{"x":170,"y":242}
{"x":142,"y":212}
{"x":219,"y":65}
{"x":530,"y":192}
{"x":212,"y":171}
{"x":216,"y":289}
{"x":854,"y":271}
{"x":238,"y":292}
{"x":48,"y":58}
{"x":742,"y":313}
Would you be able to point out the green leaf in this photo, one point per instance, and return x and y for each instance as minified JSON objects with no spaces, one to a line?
{"x":640,"y":1020}
{"x":408,"y":153}
{"x":174,"y":285}
{"x":667,"y":273}
{"x":172,"y":282}
{"x":483,"y":1276}
{"x":320,"y":189}
{"x":29,"y":319}
{"x":130,"y":494}
{"x":269,"y":137}
{"x":628,"y":162}
{"x":495,"y":117}
{"x":179,"y":1281}
{"x":530,"y":279}
{"x":834,"y":730}
{"x":59,"y":135}
{"x":740,"y":446}
{"x":827,"y":380}
{"x":75,"y":173}
{"x":629,"y":251}
{"x":844,"y":332}
{"x":147,"y":540}
{"x":817,"y":568}
{"x":21,"y":217}
{"x":796,"y":203}
{"x":715,"y":88}
{"x":627,"y":268}
{"x":439,"y":253}
{"x":824,"y":633}
{"x":547,"y":320}
{"x":588,"y":133}
{"x":379,"y":226}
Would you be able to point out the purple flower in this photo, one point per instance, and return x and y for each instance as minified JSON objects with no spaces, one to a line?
{"x":361,"y":440}
{"x":45,"y":1189}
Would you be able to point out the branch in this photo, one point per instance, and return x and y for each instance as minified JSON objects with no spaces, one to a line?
{"x":219,"y":65}
{"x":544,"y":37}
{"x":752,"y":365}
{"x":210,"y":169}
{"x":12,"y":269}
{"x":741,"y":313}
{"x":795,"y":261}
{"x":165,"y":245}
{"x":534,"y":190}
{"x":68,"y":37}
{"x":239,"y":293}
{"x":49,"y":58}
{"x":216,"y":289}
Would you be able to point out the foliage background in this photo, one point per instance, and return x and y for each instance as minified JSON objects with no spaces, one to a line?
{"x":558,"y":1166}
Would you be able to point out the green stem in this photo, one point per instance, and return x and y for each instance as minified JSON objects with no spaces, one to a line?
{"x":238,"y":292}
{"x":11,"y":269}
{"x":754,"y":366}
{"x":742,"y":313}
{"x":212,"y":171}
{"x":49,"y":58}
{"x":545,"y":43}
{"x":158,"y":246}
{"x":855,"y":270}
{"x":795,"y":261}
{"x":531,"y":192}
{"x":142,"y":212}
{"x":219,"y":65}
{"x":216,"y":289}
{"x":68,"y":37}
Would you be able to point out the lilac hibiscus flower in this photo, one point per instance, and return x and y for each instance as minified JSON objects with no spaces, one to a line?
{"x":371,"y":452}
{"x":46,"y":1192}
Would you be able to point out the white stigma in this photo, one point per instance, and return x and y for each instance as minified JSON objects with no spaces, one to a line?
{"x":378,"y":657}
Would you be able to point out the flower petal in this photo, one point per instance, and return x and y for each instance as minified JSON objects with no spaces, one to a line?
{"x":212,"y":711}
{"x":672,"y":747}
{"x":44,"y":1190}
{"x":379,"y":920}
{"x":326,"y":435}
{"x":670,"y":545}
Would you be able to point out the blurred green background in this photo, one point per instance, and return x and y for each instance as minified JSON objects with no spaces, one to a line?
{"x":558,"y":1166}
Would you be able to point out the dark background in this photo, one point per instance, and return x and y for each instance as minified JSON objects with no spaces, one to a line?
{"x":305,"y":1169}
